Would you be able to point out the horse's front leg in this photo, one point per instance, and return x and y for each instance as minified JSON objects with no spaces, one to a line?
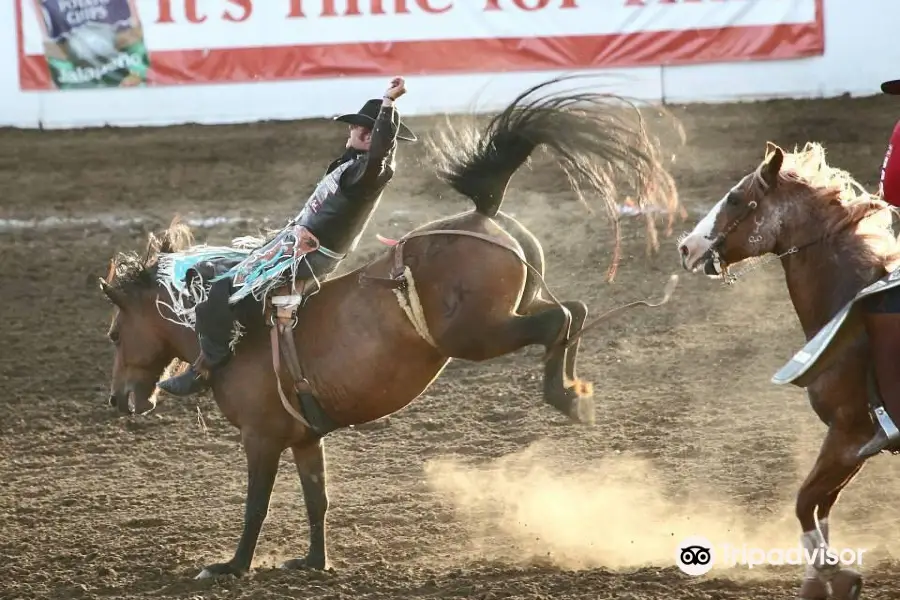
{"x":263,"y":454}
{"x":310,"y":461}
{"x":835,"y":467}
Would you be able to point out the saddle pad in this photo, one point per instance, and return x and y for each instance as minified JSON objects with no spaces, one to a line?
{"x":806,"y":358}
{"x":208,"y":261}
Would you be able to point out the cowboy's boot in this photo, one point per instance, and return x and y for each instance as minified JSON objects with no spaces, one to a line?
{"x":883,"y":329}
{"x":214,"y":325}
{"x":196,"y":378}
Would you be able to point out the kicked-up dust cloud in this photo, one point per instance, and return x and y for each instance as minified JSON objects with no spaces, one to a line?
{"x":614,"y":513}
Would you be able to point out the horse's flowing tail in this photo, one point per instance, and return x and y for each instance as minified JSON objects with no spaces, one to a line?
{"x":594,"y":144}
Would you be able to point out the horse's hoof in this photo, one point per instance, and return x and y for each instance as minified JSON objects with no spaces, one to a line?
{"x":583,"y":410}
{"x":813,"y":589}
{"x":846,"y":585}
{"x":574,"y":401}
{"x":218,"y":570}
{"x":584,"y":389}
{"x":305,"y":563}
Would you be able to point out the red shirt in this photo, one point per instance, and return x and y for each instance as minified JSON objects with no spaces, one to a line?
{"x":889,"y":187}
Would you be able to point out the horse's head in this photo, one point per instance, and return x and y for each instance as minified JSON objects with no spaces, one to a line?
{"x":142,"y":339}
{"x":791,"y":201}
{"x":747,"y":222}
{"x":141,"y":352}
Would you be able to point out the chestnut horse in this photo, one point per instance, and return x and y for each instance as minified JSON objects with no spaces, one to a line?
{"x":833,"y":240}
{"x":369,"y":342}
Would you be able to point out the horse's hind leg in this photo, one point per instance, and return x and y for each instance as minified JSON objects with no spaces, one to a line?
{"x":562,"y":388}
{"x":579,"y":312}
{"x":545,"y":324}
{"x":532,"y":301}
{"x":310,"y":461}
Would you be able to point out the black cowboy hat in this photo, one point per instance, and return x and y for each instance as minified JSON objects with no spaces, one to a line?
{"x":366,"y":118}
{"x":891,"y":87}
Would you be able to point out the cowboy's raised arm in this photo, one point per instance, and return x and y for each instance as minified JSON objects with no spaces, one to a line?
{"x":383,"y":145}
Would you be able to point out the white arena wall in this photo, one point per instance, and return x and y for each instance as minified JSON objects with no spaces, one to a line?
{"x":860,"y":53}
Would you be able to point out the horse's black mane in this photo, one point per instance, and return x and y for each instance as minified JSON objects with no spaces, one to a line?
{"x":132,"y":273}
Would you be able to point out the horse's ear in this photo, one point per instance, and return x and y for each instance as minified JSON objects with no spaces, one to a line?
{"x":772,"y":164}
{"x":114,"y":295}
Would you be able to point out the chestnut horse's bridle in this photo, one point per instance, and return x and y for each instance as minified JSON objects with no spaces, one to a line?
{"x":714,"y":255}
{"x":721,"y":237}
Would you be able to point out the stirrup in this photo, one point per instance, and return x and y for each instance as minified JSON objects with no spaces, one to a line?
{"x":887,"y":424}
{"x":886,"y":438}
{"x":877,"y":445}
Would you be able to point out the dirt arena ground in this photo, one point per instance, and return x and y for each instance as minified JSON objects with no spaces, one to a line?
{"x":476,"y":490}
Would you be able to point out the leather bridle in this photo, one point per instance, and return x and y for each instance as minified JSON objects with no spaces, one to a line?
{"x":719,"y":240}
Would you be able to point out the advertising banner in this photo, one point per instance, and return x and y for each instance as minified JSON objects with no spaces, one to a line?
{"x":73,"y":44}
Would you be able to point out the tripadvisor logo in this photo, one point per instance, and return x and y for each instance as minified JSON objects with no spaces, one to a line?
{"x":696,"y":555}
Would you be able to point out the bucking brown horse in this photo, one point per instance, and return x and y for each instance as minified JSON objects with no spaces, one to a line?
{"x":365,"y":344}
{"x":834,"y":241}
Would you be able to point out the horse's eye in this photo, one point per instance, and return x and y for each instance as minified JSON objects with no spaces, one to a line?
{"x":733,"y":199}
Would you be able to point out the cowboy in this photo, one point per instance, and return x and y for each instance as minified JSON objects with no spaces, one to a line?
{"x":312,"y":245}
{"x":881,"y":313}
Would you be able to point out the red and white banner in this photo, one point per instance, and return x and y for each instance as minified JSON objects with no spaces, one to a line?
{"x":72,"y":44}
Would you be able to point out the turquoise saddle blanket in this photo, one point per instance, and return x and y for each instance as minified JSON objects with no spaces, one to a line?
{"x":209,"y":262}
{"x":256,"y":266}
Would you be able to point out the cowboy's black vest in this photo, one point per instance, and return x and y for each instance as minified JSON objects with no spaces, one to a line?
{"x":343,"y":202}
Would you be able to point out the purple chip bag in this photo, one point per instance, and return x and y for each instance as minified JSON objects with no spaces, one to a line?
{"x":62,"y":16}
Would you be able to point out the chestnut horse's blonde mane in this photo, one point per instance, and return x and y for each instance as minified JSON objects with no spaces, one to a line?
{"x":843,"y":200}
